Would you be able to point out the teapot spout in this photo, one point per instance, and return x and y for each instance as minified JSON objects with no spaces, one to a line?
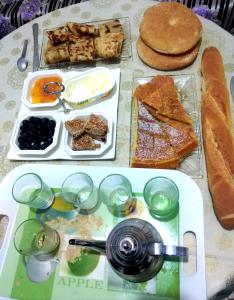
{"x":99,"y":246}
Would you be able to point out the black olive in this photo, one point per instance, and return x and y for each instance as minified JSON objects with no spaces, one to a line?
{"x":52,"y":124}
{"x":36,"y":133}
{"x":33,"y":120}
{"x":44,"y":146}
{"x":25,"y":122}
{"x":20,"y":139}
{"x":44,"y":120}
{"x":21,"y":146}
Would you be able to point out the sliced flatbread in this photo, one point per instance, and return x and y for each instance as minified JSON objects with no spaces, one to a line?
{"x":82,"y":29}
{"x":82,"y":49}
{"x":113,"y":26}
{"x":58,"y":35}
{"x":56,"y":53}
{"x":109,"y":45}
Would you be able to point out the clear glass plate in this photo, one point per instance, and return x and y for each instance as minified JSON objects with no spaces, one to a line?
{"x":126,"y":52}
{"x":186,"y":87}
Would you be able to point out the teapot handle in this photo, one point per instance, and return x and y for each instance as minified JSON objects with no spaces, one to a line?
{"x":170,"y":250}
{"x":95,"y":245}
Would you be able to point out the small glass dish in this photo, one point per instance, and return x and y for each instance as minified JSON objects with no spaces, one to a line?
{"x":14,"y":142}
{"x":28,"y":84}
{"x":105,"y":146}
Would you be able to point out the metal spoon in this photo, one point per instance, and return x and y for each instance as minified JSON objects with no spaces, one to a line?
{"x":57,"y":93}
{"x":22,"y":62}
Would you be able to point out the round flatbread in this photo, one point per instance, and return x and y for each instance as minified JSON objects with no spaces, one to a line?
{"x":170,"y":27}
{"x":165,"y":62}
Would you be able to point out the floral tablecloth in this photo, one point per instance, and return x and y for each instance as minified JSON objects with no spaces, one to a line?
{"x":219,"y":243}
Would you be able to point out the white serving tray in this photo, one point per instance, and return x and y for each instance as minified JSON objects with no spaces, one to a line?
{"x":190,"y":215}
{"x":108,"y":106}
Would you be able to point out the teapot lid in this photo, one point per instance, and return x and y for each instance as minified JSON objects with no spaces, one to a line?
{"x":127,"y":246}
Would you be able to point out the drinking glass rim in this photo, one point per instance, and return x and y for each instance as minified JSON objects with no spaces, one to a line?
{"x":21,"y":224}
{"x":78,"y":173}
{"x":167,"y":179}
{"x":114,"y":174}
{"x":40,"y":188}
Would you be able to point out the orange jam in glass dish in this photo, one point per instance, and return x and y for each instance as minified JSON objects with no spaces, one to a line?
{"x":37,"y":93}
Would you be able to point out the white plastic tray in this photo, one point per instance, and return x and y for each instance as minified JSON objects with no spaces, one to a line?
{"x":190,"y":215}
{"x":108,"y":107}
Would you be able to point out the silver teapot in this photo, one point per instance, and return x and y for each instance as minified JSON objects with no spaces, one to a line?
{"x":134,"y":249}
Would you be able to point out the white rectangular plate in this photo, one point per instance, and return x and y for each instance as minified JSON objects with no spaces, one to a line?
{"x":107,"y":106}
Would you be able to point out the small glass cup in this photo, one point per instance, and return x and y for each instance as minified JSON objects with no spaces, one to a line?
{"x":31,"y":190}
{"x":78,"y":189}
{"x":115,"y":191}
{"x":162,"y":198}
{"x":32,"y":237}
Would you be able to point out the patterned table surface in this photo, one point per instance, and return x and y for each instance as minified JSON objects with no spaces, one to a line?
{"x":219,"y":243}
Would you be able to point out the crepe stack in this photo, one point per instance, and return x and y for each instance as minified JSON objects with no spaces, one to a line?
{"x":164,"y":134}
{"x":170,"y":36}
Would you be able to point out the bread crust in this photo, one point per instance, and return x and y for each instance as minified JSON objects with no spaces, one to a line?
{"x":217,"y":137}
{"x":214,"y":81}
{"x":170,"y":27}
{"x":165,"y":62}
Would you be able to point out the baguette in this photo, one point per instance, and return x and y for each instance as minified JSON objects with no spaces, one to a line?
{"x":214,"y":81}
{"x":217,"y":136}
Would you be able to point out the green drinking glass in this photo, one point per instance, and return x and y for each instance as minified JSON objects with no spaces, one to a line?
{"x":162,"y":198}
